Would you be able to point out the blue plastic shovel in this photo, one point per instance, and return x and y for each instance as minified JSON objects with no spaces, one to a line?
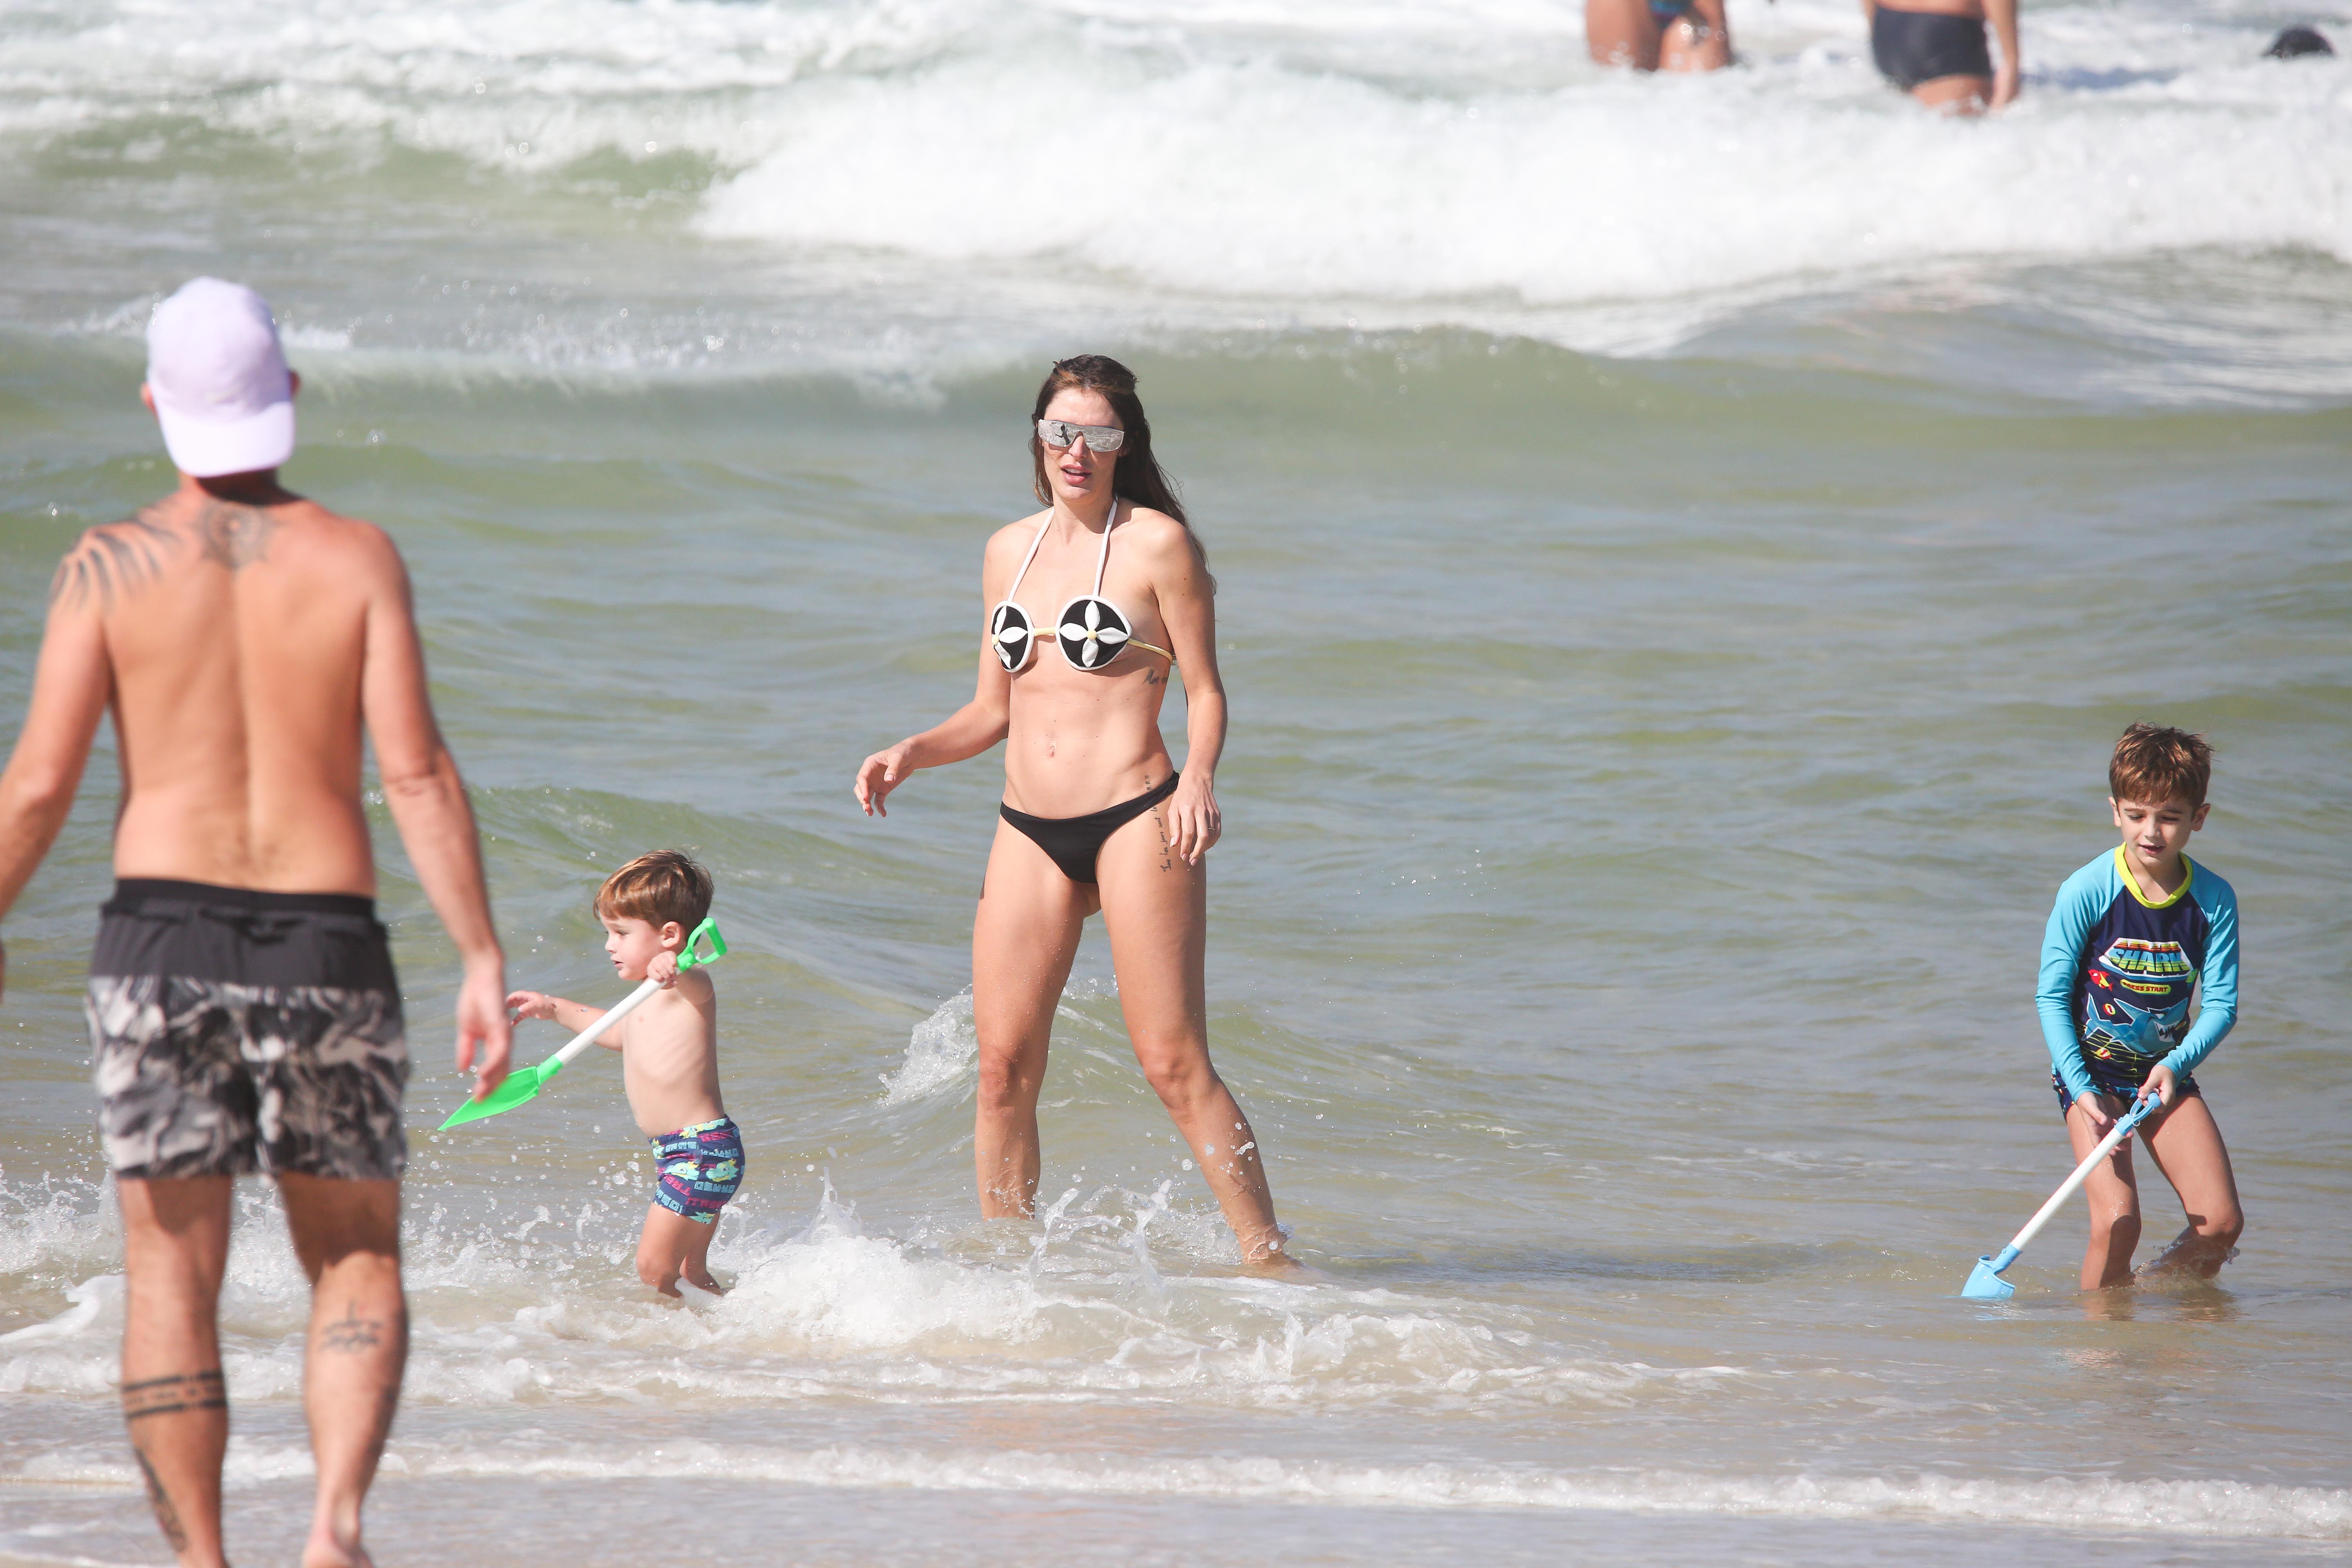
{"x":1985,"y":1283}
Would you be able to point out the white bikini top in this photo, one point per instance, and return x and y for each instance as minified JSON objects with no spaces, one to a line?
{"x":1090,"y":630}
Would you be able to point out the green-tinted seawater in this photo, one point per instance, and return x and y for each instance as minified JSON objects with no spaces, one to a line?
{"x":1648,"y":784}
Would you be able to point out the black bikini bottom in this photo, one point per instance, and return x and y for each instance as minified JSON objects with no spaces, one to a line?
{"x":1075,"y":841}
{"x":1915,"y":47}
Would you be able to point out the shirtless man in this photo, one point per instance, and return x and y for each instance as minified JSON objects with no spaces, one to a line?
{"x":243,"y":1015}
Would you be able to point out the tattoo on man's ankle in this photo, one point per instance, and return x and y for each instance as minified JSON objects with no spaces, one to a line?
{"x":166,"y":1516}
{"x":170,"y":1395}
{"x":351,"y":1333}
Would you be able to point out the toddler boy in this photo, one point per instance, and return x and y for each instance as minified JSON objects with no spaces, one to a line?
{"x":669,"y":1060}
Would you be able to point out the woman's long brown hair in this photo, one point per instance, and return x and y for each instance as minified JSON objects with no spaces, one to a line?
{"x":1137,"y":474}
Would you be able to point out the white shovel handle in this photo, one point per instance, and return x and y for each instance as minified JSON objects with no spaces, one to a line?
{"x":593,"y":1032}
{"x":2121,"y":1130}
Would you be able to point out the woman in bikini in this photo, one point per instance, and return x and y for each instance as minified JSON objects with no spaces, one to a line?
{"x":1094,"y":603}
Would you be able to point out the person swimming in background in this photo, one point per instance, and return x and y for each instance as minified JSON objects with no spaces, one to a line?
{"x":1658,"y":35}
{"x":1096,"y":818}
{"x":669,"y":1062}
{"x":1935,"y":50}
{"x":2295,"y":43}
{"x":2133,"y":935}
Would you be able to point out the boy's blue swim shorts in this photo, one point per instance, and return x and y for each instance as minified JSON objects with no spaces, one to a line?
{"x":700,"y":1168}
{"x":2126,"y":1092}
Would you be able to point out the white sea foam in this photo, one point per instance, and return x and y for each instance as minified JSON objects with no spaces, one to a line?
{"x":1247,"y":179}
{"x":56,"y":1227}
{"x":97,"y":1306}
{"x":940,"y":1051}
{"x":546,"y":1312}
{"x":2192,"y":1507}
{"x":1453,"y":160}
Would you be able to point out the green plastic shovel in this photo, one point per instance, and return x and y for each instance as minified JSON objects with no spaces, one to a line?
{"x":525,"y":1084}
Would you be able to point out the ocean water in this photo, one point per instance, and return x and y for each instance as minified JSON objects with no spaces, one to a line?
{"x":1687,"y":547}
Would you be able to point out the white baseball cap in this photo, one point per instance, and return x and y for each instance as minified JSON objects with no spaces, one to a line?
{"x":219,"y":379}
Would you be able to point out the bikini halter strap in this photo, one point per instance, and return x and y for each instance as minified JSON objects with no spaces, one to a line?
{"x":1102,"y":560}
{"x":1032,"y":555}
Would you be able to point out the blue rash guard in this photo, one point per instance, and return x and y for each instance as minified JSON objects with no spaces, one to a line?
{"x":2117,"y":970}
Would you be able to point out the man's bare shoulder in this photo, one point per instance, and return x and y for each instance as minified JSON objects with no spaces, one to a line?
{"x":114,"y":561}
{"x":237,"y":536}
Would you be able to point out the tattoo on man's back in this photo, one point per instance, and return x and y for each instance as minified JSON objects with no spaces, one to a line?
{"x":118,"y":558}
{"x":170,"y":1395}
{"x":236,"y":536}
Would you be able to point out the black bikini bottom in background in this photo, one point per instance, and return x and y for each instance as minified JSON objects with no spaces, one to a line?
{"x":1075,"y":841}
{"x":1915,"y":47}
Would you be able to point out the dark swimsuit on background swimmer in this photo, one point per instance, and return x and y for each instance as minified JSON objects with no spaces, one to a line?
{"x":1091,"y":632}
{"x":1917,"y":46}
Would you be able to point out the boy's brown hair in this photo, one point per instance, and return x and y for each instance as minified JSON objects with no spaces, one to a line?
{"x":2154,"y":765}
{"x":658,"y":888}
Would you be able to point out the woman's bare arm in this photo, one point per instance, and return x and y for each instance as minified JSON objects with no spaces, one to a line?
{"x":963,"y":734}
{"x":1188,"y":605}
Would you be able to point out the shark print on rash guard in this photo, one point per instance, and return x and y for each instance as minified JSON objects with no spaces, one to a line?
{"x":2118,"y":970}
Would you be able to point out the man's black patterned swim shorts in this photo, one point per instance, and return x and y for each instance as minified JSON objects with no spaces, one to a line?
{"x":235,"y":1032}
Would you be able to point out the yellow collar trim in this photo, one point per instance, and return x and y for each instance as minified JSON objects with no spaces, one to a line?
{"x":2123,"y":869}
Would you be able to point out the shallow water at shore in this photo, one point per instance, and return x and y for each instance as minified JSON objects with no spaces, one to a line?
{"x":1661,"y":719}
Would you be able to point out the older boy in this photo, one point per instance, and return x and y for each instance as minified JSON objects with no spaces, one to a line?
{"x":670,"y":1061}
{"x":2134,"y":933}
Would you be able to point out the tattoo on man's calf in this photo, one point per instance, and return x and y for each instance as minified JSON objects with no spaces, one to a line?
{"x":351,"y":1333}
{"x":166,"y":1517}
{"x":171,"y":1395}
